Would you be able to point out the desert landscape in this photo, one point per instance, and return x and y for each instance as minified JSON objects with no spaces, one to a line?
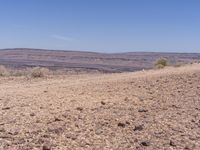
{"x":89,"y":61}
{"x":151,"y":109}
{"x":99,"y":75}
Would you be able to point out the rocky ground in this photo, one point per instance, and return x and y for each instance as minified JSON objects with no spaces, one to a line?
{"x":157,"y":109}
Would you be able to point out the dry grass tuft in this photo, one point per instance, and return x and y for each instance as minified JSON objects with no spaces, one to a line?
{"x":3,"y":71}
{"x":38,"y":72}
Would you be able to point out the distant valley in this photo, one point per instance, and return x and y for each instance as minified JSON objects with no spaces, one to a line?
{"x":80,"y":60}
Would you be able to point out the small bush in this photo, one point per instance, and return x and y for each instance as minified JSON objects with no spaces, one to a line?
{"x":38,"y":72}
{"x":17,"y":73}
{"x":161,"y":63}
{"x":3,"y":71}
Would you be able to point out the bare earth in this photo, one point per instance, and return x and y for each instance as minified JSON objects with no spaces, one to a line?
{"x":156,"y":109}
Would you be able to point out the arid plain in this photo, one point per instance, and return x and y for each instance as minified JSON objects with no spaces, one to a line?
{"x":154,"y":109}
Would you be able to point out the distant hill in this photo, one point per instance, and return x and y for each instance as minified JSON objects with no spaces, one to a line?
{"x":106,"y":62}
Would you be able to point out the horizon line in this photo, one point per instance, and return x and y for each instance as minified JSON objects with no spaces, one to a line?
{"x":101,"y":52}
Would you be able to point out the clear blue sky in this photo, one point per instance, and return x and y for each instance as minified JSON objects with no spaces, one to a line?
{"x":101,"y":25}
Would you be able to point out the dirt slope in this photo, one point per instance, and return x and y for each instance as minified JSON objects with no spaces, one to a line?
{"x":144,"y":110}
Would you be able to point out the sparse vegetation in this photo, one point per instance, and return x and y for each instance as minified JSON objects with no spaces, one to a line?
{"x":3,"y":71}
{"x":161,"y":63}
{"x":38,"y":72}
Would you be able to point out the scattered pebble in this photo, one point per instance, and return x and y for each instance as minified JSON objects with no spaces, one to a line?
{"x":120,"y":124}
{"x":145,"y":143}
{"x":172,"y":143}
{"x":46,"y":147}
{"x":138,"y":128}
{"x":32,"y":114}
{"x":79,"y":108}
{"x":6,"y":108}
{"x":142,"y":110}
{"x":103,"y":103}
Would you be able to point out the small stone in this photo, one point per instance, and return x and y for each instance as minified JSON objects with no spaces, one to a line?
{"x":120,"y":124}
{"x":138,"y":128}
{"x":5,"y":108}
{"x":46,"y":147}
{"x":171,"y":143}
{"x":98,"y":131}
{"x":126,"y":99}
{"x":79,"y":108}
{"x":71,"y":136}
{"x":142,"y":110}
{"x":145,"y":143}
{"x":103,"y":103}
{"x":2,"y":129}
{"x":57,"y":119}
{"x":32,"y":114}
{"x":190,"y":147}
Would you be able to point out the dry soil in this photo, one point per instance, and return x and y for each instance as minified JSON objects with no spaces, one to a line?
{"x":156,"y":109}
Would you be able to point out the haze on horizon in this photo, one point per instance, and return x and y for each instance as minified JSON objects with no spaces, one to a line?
{"x":101,"y":26}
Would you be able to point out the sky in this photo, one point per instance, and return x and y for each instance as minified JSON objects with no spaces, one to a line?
{"x":101,"y":25}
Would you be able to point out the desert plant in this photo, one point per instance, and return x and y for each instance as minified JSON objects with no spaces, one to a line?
{"x":3,"y":71}
{"x":17,"y":73}
{"x":38,"y":72}
{"x":161,"y":63}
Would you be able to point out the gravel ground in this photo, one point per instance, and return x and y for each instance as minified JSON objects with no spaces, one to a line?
{"x":156,"y":109}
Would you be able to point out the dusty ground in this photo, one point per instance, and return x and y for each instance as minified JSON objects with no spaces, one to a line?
{"x":144,"y":110}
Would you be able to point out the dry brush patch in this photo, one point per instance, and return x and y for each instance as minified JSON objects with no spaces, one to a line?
{"x":38,"y":72}
{"x":35,"y":72}
{"x":161,"y":63}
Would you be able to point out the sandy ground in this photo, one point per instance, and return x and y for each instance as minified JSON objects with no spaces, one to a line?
{"x":157,"y":109}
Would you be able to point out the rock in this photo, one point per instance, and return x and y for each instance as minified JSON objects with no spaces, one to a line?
{"x":145,"y":143}
{"x":120,"y":124}
{"x":6,"y":108}
{"x":46,"y":147}
{"x":172,"y":143}
{"x":126,"y":99}
{"x":32,"y":114}
{"x":2,"y":129}
{"x":57,"y":119}
{"x":138,"y":128}
{"x":190,"y":147}
{"x":55,"y":129}
{"x":79,"y":108}
{"x":71,"y":136}
{"x":103,"y":103}
{"x":142,"y":110}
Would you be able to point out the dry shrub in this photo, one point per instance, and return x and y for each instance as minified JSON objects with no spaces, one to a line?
{"x":3,"y":71}
{"x":18,"y":73}
{"x":161,"y":63}
{"x":38,"y":72}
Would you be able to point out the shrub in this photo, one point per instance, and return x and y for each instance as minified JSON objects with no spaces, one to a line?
{"x":3,"y":71}
{"x":38,"y":72}
{"x":17,"y":73}
{"x":161,"y":63}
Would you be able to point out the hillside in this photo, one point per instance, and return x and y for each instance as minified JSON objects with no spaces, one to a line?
{"x":104,"y":62}
{"x":155,"y":109}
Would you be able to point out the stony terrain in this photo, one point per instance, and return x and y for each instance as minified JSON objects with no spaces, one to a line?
{"x":153,"y":110}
